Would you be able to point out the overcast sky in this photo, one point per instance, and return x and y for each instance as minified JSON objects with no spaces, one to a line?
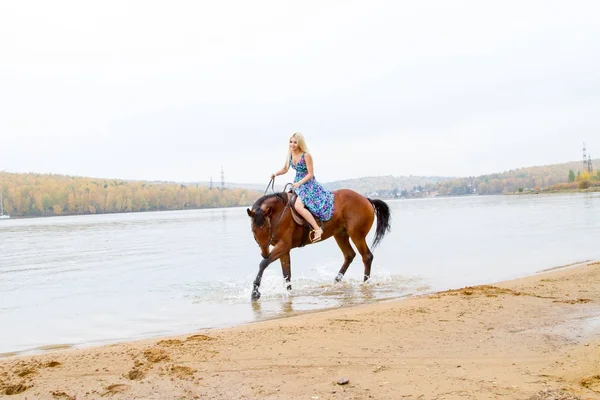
{"x":175,"y":90}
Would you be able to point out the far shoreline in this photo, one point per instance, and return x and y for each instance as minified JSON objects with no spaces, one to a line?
{"x":593,"y":189}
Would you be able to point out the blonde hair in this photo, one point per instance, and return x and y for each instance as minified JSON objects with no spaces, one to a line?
{"x":301,"y":141}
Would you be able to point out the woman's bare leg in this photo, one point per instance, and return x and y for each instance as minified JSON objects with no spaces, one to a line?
{"x":299,"y":206}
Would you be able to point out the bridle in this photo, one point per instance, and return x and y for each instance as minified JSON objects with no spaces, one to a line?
{"x":287,"y":205}
{"x":273,"y":229}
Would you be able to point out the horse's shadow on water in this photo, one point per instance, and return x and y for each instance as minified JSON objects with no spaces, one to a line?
{"x":337,"y":295}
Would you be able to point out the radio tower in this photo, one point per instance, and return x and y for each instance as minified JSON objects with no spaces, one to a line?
{"x":222,"y":178}
{"x":589,"y":165}
{"x":585,"y":159}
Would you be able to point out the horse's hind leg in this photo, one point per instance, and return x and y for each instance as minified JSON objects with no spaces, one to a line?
{"x":343,"y":241}
{"x":286,"y":268}
{"x":361,"y":245}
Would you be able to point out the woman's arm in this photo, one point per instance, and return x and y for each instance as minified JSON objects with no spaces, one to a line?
{"x":285,"y":168}
{"x":309,"y":165}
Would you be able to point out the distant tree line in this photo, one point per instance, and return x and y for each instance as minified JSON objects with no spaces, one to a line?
{"x":34,"y":195}
{"x":555,"y":177}
{"x":583,"y":180}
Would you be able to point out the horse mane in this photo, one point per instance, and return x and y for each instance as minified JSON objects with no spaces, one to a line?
{"x":259,"y":214}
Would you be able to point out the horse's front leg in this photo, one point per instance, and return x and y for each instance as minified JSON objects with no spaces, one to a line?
{"x":279,"y":250}
{"x":261,"y":268}
{"x":286,"y":268}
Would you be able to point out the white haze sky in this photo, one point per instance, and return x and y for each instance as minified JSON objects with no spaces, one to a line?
{"x":175,"y":90}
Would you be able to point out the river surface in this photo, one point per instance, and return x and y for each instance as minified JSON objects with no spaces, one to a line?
{"x":86,"y":280}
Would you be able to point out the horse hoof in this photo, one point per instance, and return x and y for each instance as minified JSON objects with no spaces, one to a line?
{"x":339,"y":277}
{"x":255,"y":295}
{"x":289,"y":287}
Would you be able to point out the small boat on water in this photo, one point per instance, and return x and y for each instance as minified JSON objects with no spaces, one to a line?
{"x":2,"y":215}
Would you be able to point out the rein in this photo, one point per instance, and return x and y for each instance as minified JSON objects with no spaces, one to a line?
{"x":271,"y":184}
{"x":287,"y":205}
{"x":271,"y":228}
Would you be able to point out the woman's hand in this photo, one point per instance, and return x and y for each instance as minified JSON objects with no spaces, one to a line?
{"x":296,"y":185}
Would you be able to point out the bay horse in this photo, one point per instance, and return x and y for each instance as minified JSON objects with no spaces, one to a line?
{"x":272,"y":224}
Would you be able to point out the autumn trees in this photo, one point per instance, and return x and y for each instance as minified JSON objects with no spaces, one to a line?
{"x":28,"y":195}
{"x":549,"y":177}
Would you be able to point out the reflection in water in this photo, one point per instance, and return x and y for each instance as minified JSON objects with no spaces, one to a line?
{"x":275,"y":308}
{"x":257,"y":309}
{"x":367,"y":292}
{"x":339,"y":295}
{"x":356,"y":294}
{"x":287,"y":306}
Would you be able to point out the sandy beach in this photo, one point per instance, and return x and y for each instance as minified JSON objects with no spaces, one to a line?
{"x":531,"y":338}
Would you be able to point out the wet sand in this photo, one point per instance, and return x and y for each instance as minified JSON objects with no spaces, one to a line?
{"x":531,"y":338}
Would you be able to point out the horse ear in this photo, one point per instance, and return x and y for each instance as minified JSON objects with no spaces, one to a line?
{"x":250,"y":213}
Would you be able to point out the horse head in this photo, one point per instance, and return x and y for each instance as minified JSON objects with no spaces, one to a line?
{"x":261,"y":213}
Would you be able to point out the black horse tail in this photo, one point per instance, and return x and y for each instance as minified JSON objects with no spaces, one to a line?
{"x":384,"y":223}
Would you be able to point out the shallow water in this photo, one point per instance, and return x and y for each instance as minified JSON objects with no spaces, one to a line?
{"x":72,"y":281}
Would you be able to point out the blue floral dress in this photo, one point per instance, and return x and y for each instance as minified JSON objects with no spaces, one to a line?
{"x":314,"y":196}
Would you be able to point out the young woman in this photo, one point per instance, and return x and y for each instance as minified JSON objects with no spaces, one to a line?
{"x":310,"y":193}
